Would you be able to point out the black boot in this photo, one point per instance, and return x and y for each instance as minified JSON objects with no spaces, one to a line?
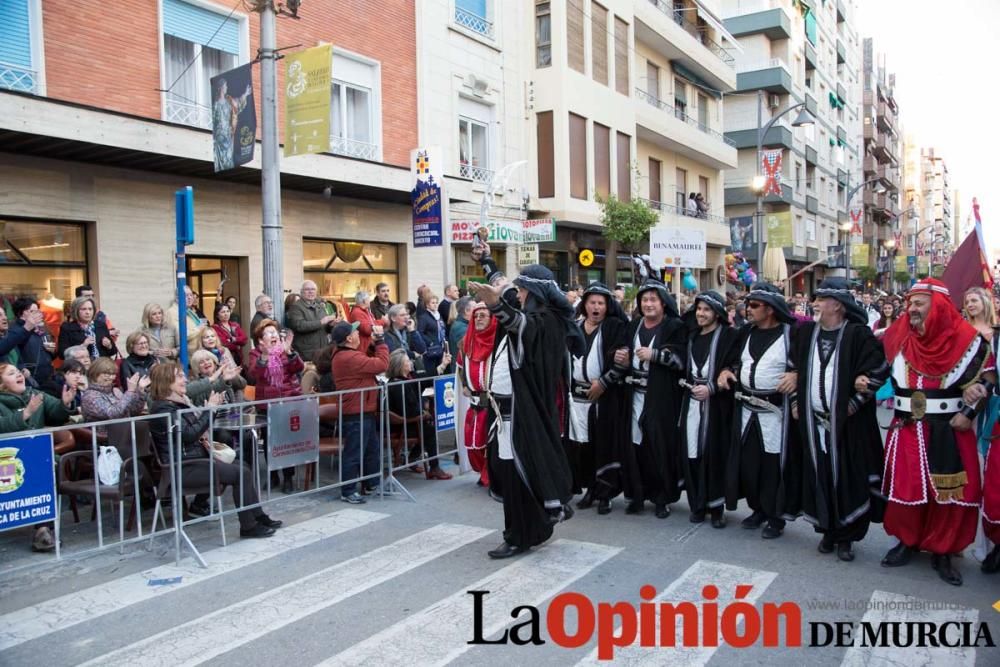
{"x":697,"y":516}
{"x":773,"y":529}
{"x":898,"y":556}
{"x":634,"y":507}
{"x":844,"y":552}
{"x":754,"y":521}
{"x":718,"y":517}
{"x":662,"y":511}
{"x":587,"y":501}
{"x":604,"y":506}
{"x":505,"y":551}
{"x":945,"y":570}
{"x":826,"y":544}
{"x":991,"y":564}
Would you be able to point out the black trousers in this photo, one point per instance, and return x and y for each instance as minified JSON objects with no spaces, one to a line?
{"x":227,"y":474}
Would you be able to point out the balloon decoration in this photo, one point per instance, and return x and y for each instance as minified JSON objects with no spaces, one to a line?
{"x":689,"y":283}
{"x":738,"y":270}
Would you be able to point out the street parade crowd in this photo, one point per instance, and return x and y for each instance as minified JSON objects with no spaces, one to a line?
{"x":776,"y":402}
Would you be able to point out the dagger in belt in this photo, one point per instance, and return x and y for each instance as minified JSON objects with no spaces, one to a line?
{"x":758,"y":402}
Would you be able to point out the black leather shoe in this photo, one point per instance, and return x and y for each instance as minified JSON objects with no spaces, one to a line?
{"x":265,"y":520}
{"x":991,"y":564}
{"x":898,"y":556}
{"x":199,"y":509}
{"x":718,"y":519}
{"x":287,"y":485}
{"x":771,"y":532}
{"x":587,"y":501}
{"x":567,"y":512}
{"x":634,"y":507}
{"x":662,"y":511}
{"x":505,"y":551}
{"x":604,"y":506}
{"x":260,"y":530}
{"x":697,"y":516}
{"x":844,"y":552}
{"x":948,"y":574}
{"x":826,"y":544}
{"x":754,"y":521}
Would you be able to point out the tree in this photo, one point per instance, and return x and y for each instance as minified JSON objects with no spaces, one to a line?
{"x":867,"y":274}
{"x":625,"y":223}
{"x":902,"y":277}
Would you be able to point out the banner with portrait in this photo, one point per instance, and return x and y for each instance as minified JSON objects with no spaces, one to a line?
{"x":234,"y":118}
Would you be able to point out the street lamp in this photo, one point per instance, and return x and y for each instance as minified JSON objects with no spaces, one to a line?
{"x":890,"y":248}
{"x":804,"y":118}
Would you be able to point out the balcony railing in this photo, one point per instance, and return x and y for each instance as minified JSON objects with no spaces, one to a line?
{"x":767,"y":63}
{"x":14,"y":77}
{"x":473,"y":22}
{"x":665,"y":207}
{"x":353,"y":148}
{"x":680,"y":115}
{"x":695,"y":31}
{"x":188,"y":113}
{"x":476,"y":173}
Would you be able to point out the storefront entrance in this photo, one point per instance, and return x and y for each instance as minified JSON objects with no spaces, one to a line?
{"x":45,"y":260}
{"x":214,"y":279}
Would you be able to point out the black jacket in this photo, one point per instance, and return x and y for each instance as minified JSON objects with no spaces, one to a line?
{"x":34,"y":357}
{"x":193,"y":427}
{"x":71,"y":333}
{"x":15,"y":337}
{"x":133,"y":364}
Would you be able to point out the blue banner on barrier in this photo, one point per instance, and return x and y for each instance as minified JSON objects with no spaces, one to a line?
{"x":444,"y":403}
{"x":27,"y":481}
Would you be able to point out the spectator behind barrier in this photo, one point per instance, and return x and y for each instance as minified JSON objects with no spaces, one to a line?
{"x":162,"y":335}
{"x":140,"y":358}
{"x":230,"y":333}
{"x":407,"y":405}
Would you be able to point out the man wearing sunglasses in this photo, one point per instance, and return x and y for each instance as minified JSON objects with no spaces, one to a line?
{"x":762,"y":466}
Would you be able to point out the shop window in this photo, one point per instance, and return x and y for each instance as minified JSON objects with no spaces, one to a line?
{"x":42,"y":258}
{"x":342,"y":268}
{"x":467,"y":269}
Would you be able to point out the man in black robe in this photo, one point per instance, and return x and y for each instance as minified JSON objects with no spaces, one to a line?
{"x":596,"y":430}
{"x":762,"y":458}
{"x":706,"y":412}
{"x":840,"y":365}
{"x":528,"y":467}
{"x":654,"y":363}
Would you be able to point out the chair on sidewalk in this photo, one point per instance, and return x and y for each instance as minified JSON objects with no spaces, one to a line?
{"x":329,"y":411}
{"x":162,"y":490}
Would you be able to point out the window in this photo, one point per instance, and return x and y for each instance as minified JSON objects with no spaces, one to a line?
{"x":543,"y":34}
{"x":624,"y":167}
{"x":621,"y":56}
{"x":703,"y":187}
{"x":354,"y":108}
{"x":602,"y":160}
{"x":21,"y":46}
{"x":574,"y":35}
{"x":42,"y":257}
{"x":681,"y":186}
{"x":197,"y":45}
{"x":474,"y":15}
{"x":324,"y":261}
{"x":680,"y":98}
{"x":810,"y":230}
{"x":577,"y":156}
{"x":798,"y":176}
{"x":653,"y":80}
{"x":546,"y":155}
{"x":473,"y":150}
{"x":703,"y":111}
{"x":599,"y":43}
{"x":655,"y":192}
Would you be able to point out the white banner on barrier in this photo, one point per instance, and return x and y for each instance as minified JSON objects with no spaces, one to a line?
{"x":292,"y":433}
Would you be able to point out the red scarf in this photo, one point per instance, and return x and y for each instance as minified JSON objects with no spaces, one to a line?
{"x":478,"y":345}
{"x":947,"y":336}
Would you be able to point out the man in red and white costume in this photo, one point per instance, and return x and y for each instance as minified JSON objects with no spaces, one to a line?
{"x":481,"y":349}
{"x":932,"y":479}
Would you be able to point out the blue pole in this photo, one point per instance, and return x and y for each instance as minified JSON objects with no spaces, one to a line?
{"x":184,"y":206}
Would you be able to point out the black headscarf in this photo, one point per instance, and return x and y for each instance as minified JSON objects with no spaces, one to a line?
{"x":614,"y":308}
{"x":772,"y":296}
{"x":545,"y":293}
{"x":669,"y":305}
{"x":717,"y":303}
{"x":837,"y":288}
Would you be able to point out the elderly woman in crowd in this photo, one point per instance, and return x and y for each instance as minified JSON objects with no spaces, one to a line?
{"x":140,"y":358}
{"x":407,"y":406}
{"x":169,"y":393}
{"x":161,"y":335}
{"x":205,"y":366}
{"x":102,"y":400}
{"x":24,"y":409}
{"x":231,"y":335}
{"x":85,"y":330}
{"x":274,"y":367}
{"x":210,"y":342}
{"x":362,"y":314}
{"x":431,"y":328}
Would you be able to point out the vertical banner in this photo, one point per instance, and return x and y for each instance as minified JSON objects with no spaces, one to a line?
{"x":234,"y":118}
{"x":307,"y":100}
{"x":425,"y":167}
{"x":859,"y":255}
{"x":779,"y":229}
{"x":741,"y":235}
{"x":770,"y":162}
{"x":27,"y":481}
{"x":900,"y":263}
{"x":444,"y":403}
{"x":293,"y":432}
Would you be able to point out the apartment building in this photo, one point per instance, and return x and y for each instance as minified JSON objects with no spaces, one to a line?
{"x":624,"y":99}
{"x":104,"y":114}
{"x":797,"y":52}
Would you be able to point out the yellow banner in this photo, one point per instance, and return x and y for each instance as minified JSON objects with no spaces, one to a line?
{"x":779,"y":229}
{"x":859,"y":255}
{"x":900,"y":263}
{"x":307,"y":100}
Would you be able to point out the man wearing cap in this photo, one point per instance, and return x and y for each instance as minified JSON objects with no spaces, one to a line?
{"x":762,"y":463}
{"x":706,"y":411}
{"x":595,"y":436}
{"x":932,"y":479}
{"x":528,"y":466}
{"x":355,"y":370}
{"x":654,"y":365}
{"x":840,"y":366}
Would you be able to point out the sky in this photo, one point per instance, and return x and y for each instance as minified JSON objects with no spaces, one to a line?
{"x":944,"y":54}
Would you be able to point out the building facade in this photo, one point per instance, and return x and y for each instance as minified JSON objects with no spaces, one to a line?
{"x":797,"y":52}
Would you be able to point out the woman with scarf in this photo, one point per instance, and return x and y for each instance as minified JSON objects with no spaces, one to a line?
{"x":230,"y":333}
{"x":85,"y":330}
{"x":594,"y":441}
{"x":528,"y":466}
{"x":210,"y":342}
{"x":274,"y":369}
{"x":477,"y":358}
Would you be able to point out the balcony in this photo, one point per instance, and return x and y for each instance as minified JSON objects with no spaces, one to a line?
{"x":870,"y":165}
{"x":888,"y":175}
{"x":812,"y":62}
{"x":741,"y":192}
{"x":716,"y":227}
{"x":475,"y":173}
{"x":671,"y":128}
{"x":841,"y":135}
{"x":885,"y":114}
{"x":841,"y":93}
{"x":841,"y":12}
{"x":842,"y":177}
{"x":694,"y":30}
{"x":841,"y":52}
{"x":812,"y":205}
{"x":473,"y":22}
{"x":812,"y":157}
{"x":811,"y":104}
{"x":774,"y":23}
{"x":771,"y":75}
{"x":187,"y":113}
{"x":21,"y":79}
{"x":778,"y":135}
{"x":353,"y":148}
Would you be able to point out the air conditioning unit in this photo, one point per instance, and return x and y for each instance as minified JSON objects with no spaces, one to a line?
{"x":773,"y":101}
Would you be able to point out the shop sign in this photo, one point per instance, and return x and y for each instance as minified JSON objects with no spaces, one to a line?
{"x":527,"y":254}
{"x":293,"y":430}
{"x":307,"y":100}
{"x":426,"y":197}
{"x":542,"y":230}
{"x":444,"y":403}
{"x":502,"y":232}
{"x":678,"y":247}
{"x":27,"y":481}
{"x":586,"y":257}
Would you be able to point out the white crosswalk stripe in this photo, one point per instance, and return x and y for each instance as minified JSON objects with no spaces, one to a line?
{"x":892,"y":607}
{"x":445,"y":627}
{"x":68,"y":610}
{"x":204,"y":638}
{"x":688,"y":587}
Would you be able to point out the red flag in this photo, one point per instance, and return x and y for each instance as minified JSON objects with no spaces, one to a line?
{"x":771,"y":163}
{"x":968,"y":267}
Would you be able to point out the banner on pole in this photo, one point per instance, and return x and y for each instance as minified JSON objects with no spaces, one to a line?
{"x":770,"y":163}
{"x":426,"y":198}
{"x":234,"y":118}
{"x":859,"y":255}
{"x":741,"y":235}
{"x":293,"y":432}
{"x":900,"y":263}
{"x":307,"y":100}
{"x":779,"y":229}
{"x":677,"y":247}
{"x":27,"y":481}
{"x":444,"y":403}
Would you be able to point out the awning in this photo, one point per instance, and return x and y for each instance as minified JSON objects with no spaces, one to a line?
{"x":683,"y":72}
{"x":716,"y":23}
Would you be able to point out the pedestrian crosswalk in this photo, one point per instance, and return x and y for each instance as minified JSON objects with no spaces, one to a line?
{"x":231,"y":628}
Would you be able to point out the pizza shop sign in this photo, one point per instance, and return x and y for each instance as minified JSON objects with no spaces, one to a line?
{"x":505,"y":232}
